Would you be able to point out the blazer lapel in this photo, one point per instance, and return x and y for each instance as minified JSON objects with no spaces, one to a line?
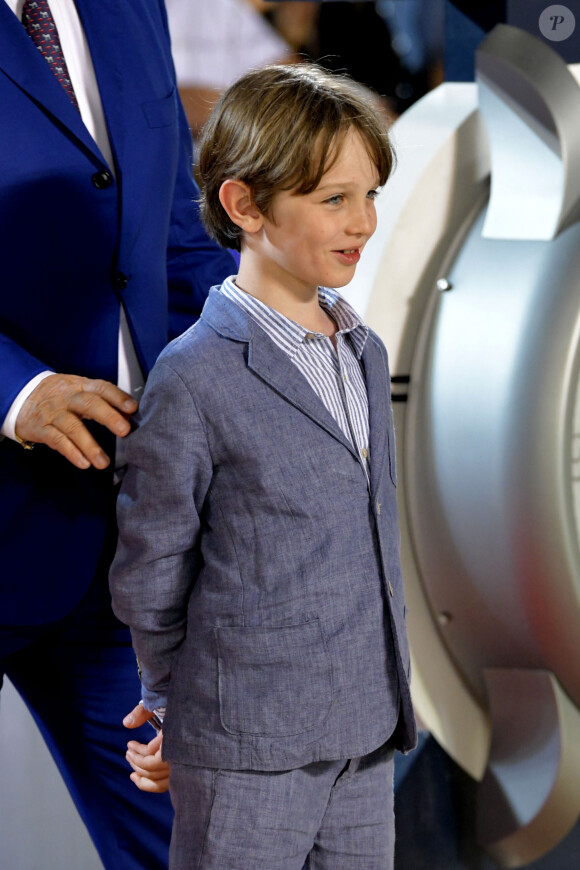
{"x":376,"y":375}
{"x":23,"y":63}
{"x":270,"y":363}
{"x":276,"y":369}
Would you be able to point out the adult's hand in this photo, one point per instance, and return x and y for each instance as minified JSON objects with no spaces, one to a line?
{"x":53,"y":414}
{"x":150,"y":772}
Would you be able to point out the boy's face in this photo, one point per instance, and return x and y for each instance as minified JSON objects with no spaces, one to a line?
{"x":317,"y":238}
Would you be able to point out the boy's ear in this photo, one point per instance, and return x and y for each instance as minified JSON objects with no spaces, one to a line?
{"x":236,"y":198}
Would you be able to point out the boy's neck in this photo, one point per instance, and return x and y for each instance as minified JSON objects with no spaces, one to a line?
{"x":299,"y":304}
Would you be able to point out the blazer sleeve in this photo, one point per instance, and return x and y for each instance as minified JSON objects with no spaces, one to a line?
{"x":194,"y":261}
{"x":159,"y":506}
{"x":18,"y":368}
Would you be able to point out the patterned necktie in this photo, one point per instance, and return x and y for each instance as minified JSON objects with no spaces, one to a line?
{"x":39,"y":23}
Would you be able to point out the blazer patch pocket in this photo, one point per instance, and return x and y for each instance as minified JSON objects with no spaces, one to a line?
{"x":161,"y":113}
{"x":273,"y":682}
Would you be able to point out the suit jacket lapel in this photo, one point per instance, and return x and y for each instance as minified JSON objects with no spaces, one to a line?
{"x":22,"y":62}
{"x":270,"y":363}
{"x":276,"y":369}
{"x":379,"y":408}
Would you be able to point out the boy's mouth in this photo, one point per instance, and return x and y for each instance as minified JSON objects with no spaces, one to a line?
{"x":349,"y":256}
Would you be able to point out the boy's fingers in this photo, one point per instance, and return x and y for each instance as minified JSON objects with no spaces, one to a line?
{"x":138,"y":716}
{"x":148,"y":765}
{"x":147,"y":750}
{"x":145,"y":784}
{"x":154,"y":746}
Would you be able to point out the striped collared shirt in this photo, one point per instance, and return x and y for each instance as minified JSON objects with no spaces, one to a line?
{"x":337,"y":377}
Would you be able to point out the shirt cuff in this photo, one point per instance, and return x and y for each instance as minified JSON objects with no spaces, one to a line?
{"x":152,"y":701}
{"x":9,"y":424}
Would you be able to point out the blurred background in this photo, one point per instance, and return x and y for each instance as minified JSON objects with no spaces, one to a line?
{"x":392,"y":47}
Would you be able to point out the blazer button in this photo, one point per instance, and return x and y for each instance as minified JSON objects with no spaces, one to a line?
{"x":102,"y":179}
{"x":121,"y":281}
{"x":391,"y":592}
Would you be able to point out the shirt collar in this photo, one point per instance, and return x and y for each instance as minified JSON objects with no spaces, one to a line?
{"x":344,"y":315}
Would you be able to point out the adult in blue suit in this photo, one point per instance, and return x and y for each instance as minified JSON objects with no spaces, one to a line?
{"x":88,"y":233}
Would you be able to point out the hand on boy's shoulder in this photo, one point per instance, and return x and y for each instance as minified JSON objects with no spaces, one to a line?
{"x":54,"y":412}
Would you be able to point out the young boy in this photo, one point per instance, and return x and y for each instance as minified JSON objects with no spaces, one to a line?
{"x":258,"y":562}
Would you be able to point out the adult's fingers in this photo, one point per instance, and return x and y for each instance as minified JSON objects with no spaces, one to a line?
{"x":53,"y":414}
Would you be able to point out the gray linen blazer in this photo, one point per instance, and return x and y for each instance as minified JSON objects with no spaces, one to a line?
{"x":259,"y":575}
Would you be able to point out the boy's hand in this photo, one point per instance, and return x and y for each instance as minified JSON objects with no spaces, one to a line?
{"x":150,"y":772}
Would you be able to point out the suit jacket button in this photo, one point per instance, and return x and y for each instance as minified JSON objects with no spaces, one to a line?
{"x":102,"y":179}
{"x":121,"y":280}
{"x":391,"y":593}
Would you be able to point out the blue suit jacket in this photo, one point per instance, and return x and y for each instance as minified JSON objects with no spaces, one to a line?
{"x":72,"y":249}
{"x":258,"y":571}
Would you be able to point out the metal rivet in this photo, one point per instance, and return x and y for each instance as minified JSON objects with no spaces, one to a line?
{"x":443,"y":285}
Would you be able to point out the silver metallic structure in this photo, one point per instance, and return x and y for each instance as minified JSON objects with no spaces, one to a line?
{"x":473,"y":281}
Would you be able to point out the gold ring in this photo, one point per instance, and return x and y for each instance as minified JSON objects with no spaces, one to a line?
{"x":28,"y":445}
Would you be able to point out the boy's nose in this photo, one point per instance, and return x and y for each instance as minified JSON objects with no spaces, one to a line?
{"x":363,"y":220}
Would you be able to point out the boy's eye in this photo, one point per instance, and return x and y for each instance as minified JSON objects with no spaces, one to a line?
{"x":335,"y":200}
{"x":372,"y":194}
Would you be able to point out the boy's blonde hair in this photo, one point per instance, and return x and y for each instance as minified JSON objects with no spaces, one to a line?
{"x":279,"y":128}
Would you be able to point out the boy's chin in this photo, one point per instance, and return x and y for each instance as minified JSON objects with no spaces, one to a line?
{"x":344,"y":282}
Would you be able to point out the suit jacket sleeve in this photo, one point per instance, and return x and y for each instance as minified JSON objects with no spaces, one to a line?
{"x":18,"y":368}
{"x":194,"y":261}
{"x":157,"y":560}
